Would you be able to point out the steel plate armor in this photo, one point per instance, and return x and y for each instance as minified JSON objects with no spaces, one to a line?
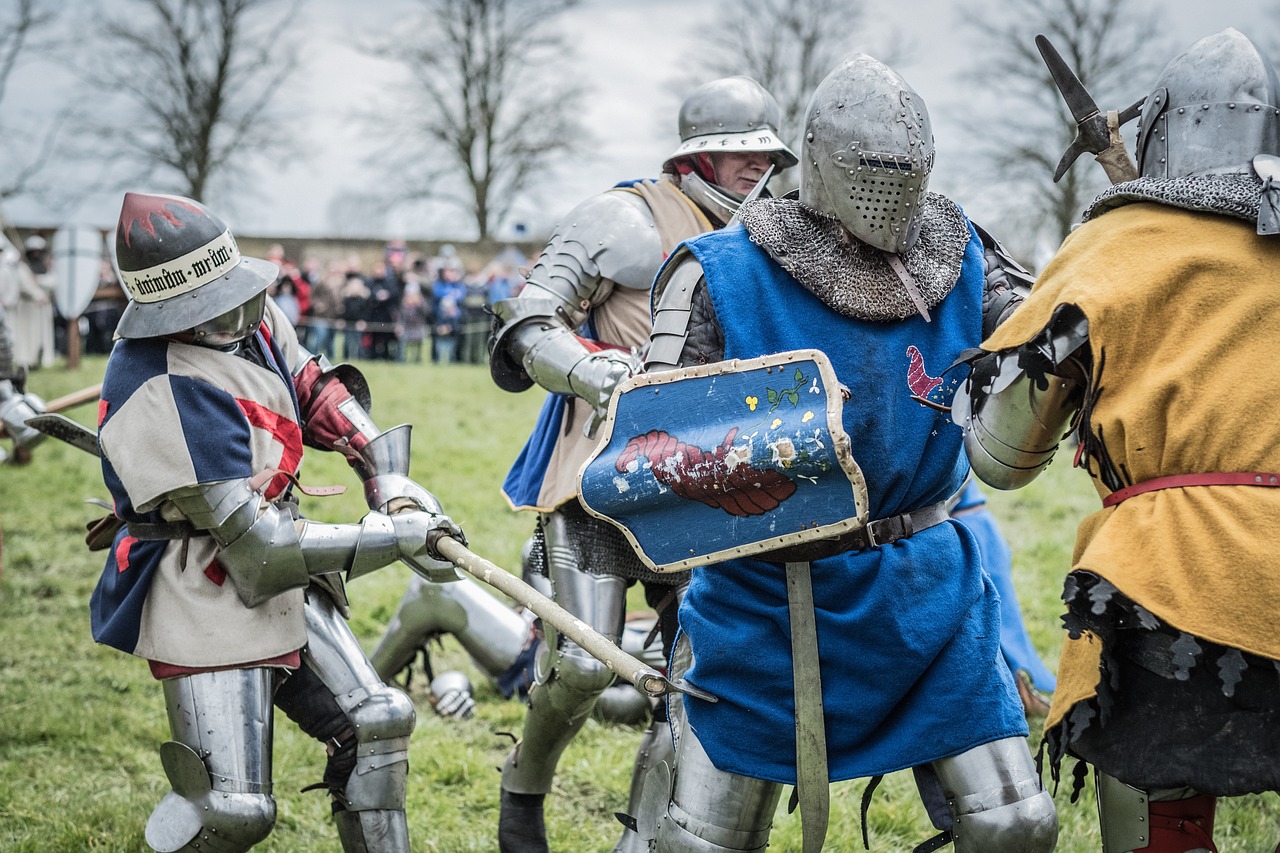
{"x":1211,"y":110}
{"x":868,"y":151}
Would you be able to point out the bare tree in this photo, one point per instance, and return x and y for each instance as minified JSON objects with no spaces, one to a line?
{"x":27,"y":143}
{"x":787,"y":47}
{"x":188,"y":89}
{"x":1114,"y":46}
{"x":483,"y":116}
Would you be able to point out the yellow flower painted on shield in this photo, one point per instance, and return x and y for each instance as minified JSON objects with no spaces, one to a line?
{"x":808,"y":416}
{"x":776,"y":423}
{"x":751,"y":403}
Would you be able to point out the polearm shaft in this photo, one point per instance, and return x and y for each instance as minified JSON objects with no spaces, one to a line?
{"x":647,"y":679}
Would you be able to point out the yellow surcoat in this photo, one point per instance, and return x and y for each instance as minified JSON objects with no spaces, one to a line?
{"x":1184,"y":330}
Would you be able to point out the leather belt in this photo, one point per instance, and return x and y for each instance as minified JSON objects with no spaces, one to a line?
{"x":1178,"y":481}
{"x":882,"y":531}
{"x":159,"y":531}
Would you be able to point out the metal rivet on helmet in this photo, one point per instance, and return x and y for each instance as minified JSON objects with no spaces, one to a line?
{"x":890,"y":138}
{"x":1197,"y":102}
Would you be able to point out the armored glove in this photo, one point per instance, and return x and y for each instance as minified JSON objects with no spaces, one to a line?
{"x":15,"y":408}
{"x":596,"y":377}
{"x":451,"y":695}
{"x":416,"y":532}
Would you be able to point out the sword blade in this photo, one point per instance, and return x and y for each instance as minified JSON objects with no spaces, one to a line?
{"x":63,"y":428}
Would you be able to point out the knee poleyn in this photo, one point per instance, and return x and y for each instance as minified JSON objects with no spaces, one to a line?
{"x":1029,"y":825}
{"x":382,"y":723}
{"x":215,"y":821}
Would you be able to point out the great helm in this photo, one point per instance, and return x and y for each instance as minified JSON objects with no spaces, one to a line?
{"x":867,"y":153}
{"x":1211,"y":110}
{"x":731,"y":114}
{"x":182,"y":270}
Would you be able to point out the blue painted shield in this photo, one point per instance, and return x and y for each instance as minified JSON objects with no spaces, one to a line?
{"x":726,"y":460}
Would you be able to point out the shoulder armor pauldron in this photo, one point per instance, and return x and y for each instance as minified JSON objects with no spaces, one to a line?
{"x":677,"y":322}
{"x":609,"y":236}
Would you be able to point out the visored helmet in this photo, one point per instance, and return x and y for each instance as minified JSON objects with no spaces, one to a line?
{"x":1212,"y":109}
{"x":731,"y":114}
{"x":867,"y":153}
{"x":182,"y":270}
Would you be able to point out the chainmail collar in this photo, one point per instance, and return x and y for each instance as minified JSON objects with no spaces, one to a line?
{"x":849,"y":276}
{"x":1236,"y":195}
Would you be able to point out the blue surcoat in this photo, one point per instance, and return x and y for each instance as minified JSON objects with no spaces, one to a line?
{"x":908,"y":633}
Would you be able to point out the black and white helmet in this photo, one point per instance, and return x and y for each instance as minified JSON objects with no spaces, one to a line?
{"x":867,"y":153}
{"x":1212,"y":109}
{"x":182,"y":271}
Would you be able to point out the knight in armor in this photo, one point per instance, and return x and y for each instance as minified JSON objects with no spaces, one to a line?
{"x":1146,"y":336}
{"x":16,"y":403}
{"x":903,"y":666}
{"x":236,"y":602}
{"x":575,"y":330}
{"x":503,"y":643}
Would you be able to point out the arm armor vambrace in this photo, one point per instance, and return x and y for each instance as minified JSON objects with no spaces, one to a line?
{"x":383,"y":461}
{"x":267,"y":552}
{"x":1013,"y":420}
{"x":610,"y":239}
{"x":553,"y":357}
{"x":673,"y":314}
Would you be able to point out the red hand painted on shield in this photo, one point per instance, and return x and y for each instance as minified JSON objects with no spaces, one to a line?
{"x":918,"y":381}
{"x":708,"y":476}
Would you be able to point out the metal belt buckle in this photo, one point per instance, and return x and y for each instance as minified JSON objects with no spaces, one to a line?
{"x":885,"y":531}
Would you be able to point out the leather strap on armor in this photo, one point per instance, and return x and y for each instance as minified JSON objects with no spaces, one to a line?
{"x":812,"y":789}
{"x":882,"y":531}
{"x":1180,"y":481}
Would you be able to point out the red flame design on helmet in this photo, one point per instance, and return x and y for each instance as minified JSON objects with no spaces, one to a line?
{"x":140,"y":208}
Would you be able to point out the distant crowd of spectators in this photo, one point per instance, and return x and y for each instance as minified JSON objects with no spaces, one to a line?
{"x":407,"y":307}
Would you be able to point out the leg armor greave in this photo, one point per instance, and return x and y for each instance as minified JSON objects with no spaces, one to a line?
{"x":997,"y":801}
{"x":491,"y":632}
{"x":219,"y":763}
{"x":568,"y":680}
{"x":709,"y":810}
{"x":696,"y":808}
{"x":369,"y":804}
{"x":1157,"y":821}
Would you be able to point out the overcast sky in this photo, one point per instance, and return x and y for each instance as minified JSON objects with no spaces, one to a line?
{"x":630,"y":51}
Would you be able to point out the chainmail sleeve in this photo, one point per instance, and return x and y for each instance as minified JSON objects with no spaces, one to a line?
{"x":705,"y":343}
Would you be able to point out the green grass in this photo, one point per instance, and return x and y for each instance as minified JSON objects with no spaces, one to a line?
{"x":80,"y":725}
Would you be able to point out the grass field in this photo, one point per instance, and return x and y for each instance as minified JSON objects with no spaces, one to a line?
{"x":80,"y":724}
